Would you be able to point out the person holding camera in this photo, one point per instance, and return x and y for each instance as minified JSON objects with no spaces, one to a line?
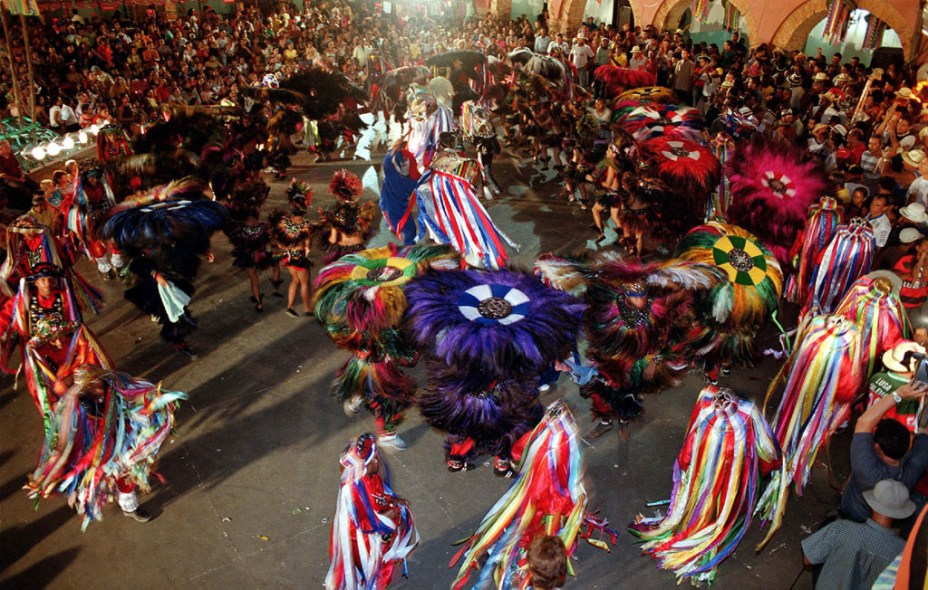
{"x":882,"y":448}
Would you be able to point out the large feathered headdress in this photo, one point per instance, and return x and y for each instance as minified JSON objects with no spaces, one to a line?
{"x":772,"y":188}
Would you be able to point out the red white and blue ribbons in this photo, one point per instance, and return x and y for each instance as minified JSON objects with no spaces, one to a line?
{"x":847,"y":257}
{"x":453,"y":214}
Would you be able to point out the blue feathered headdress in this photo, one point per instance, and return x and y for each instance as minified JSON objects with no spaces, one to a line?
{"x":498,"y":322}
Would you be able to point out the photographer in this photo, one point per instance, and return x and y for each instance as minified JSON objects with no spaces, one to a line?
{"x":881,"y":446}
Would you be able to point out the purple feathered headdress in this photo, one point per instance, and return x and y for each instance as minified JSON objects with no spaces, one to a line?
{"x":498,"y":322}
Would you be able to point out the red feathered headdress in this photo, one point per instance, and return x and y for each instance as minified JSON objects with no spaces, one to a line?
{"x":345,"y":185}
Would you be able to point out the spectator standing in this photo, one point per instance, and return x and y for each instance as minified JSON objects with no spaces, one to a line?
{"x":581,"y":56}
{"x":683,"y":76}
{"x":638,"y":59}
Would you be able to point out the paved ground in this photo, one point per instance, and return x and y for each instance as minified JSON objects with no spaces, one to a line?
{"x":251,"y":473}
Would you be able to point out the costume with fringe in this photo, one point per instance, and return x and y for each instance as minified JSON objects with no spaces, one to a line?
{"x":728,"y":448}
{"x":878,"y":312}
{"x":349,"y":218}
{"x":373,"y":530}
{"x":688,"y":172}
{"x":478,"y":129}
{"x":251,"y":242}
{"x":30,"y":244}
{"x":108,"y":429}
{"x":639,"y":315}
{"x":656,"y":120}
{"x":820,"y":228}
{"x":488,"y":336}
{"x":822,"y":376}
{"x":361,"y":302}
{"x":547,"y":498}
{"x":772,"y":187}
{"x":738,"y":308}
{"x":616,"y":80}
{"x":451,"y":212}
{"x":846,"y":258}
{"x":723,"y":146}
{"x":427,"y":121}
{"x":166,"y":232}
{"x":656,"y":94}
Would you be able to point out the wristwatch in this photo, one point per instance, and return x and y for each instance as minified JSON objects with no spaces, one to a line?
{"x":897,"y":397}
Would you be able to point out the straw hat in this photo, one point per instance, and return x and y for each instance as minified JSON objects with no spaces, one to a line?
{"x":820,"y":127}
{"x":914,"y":212}
{"x":892,"y":359}
{"x":820,"y":77}
{"x":888,"y":278}
{"x":794,"y":79}
{"x":909,"y":235}
{"x":905,"y":93}
{"x":913,"y":158}
{"x":636,"y":49}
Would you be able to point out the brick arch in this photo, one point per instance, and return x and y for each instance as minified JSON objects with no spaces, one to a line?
{"x":670,"y":12}
{"x":795,"y":28}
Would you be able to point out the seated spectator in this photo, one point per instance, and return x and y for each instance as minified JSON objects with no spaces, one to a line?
{"x":852,"y":554}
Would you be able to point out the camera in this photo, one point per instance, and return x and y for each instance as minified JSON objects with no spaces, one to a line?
{"x":921,"y":369}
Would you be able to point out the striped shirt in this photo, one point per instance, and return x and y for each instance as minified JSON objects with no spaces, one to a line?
{"x":868,"y":163}
{"x":853,"y":554}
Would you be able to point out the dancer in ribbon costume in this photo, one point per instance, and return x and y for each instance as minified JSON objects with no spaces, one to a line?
{"x":93,"y":198}
{"x":400,"y":177}
{"x":641,"y":326}
{"x":772,"y":187}
{"x":488,"y":336}
{"x":360,"y":300}
{"x":478,"y":129}
{"x":166,"y":232}
{"x":820,"y":228}
{"x":450,"y":210}
{"x":723,"y":146}
{"x":547,"y":498}
{"x":728,"y":448}
{"x":373,"y":529}
{"x":738,"y":308}
{"x":29,"y":244}
{"x":845,"y":259}
{"x":652,"y":120}
{"x":873,"y":304}
{"x":108,"y":428}
{"x":822,"y":376}
{"x":428,"y":119}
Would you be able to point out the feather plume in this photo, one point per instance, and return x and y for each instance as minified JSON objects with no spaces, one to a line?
{"x":772,"y":188}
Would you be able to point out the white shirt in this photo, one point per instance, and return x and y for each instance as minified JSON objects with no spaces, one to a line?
{"x":580,"y":55}
{"x":918,"y":191}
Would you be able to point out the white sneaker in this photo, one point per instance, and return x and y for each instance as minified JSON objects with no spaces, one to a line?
{"x":392,"y":441}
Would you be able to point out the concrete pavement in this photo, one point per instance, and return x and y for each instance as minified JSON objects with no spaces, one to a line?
{"x":252,"y":470}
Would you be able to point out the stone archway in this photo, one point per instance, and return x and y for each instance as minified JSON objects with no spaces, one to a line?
{"x":670,"y":12}
{"x":795,"y":28}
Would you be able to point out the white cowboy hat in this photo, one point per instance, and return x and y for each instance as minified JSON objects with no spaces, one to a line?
{"x":914,"y":212}
{"x":892,"y":359}
{"x":913,"y":157}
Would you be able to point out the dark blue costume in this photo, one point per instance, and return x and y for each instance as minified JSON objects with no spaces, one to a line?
{"x":400,"y":177}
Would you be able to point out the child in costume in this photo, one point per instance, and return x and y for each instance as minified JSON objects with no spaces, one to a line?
{"x":349,"y":221}
{"x":251,"y":238}
{"x":373,"y":530}
{"x":291,"y":234}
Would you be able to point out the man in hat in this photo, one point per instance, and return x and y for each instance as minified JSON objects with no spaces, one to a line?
{"x":880,"y":448}
{"x":852,"y":554}
{"x":581,"y":56}
{"x":638,"y":59}
{"x":918,"y":189}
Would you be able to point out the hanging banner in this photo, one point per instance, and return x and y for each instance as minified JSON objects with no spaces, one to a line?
{"x":27,"y":7}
